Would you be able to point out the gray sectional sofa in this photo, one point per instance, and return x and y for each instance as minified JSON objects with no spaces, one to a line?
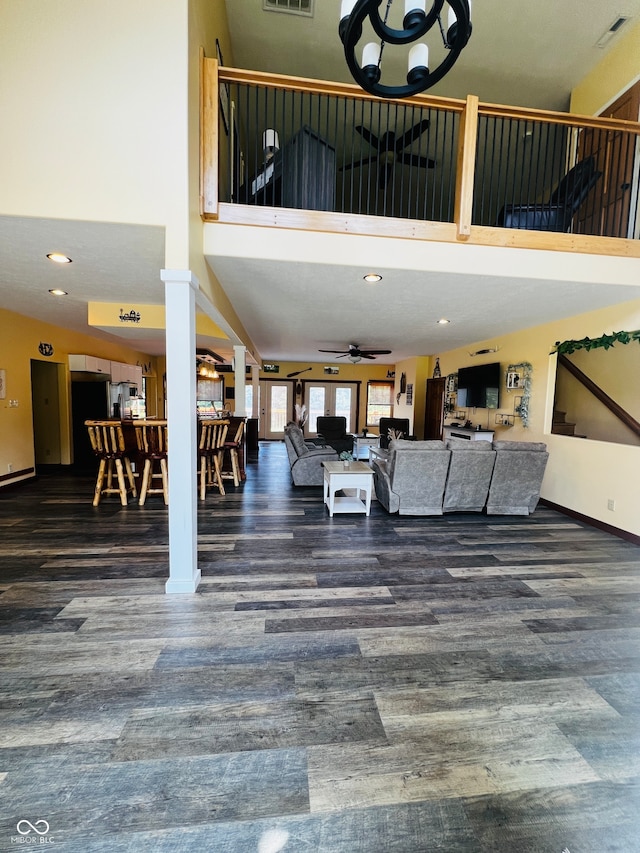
{"x":306,"y":457}
{"x":431,"y":477}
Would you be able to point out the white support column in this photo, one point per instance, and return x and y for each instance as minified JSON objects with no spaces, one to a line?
{"x":180,"y":290}
{"x":240,"y":361}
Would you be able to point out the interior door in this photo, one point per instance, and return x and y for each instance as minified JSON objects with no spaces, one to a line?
{"x":434,"y":414}
{"x":331,"y":398}
{"x":275,"y":408}
{"x":606,"y":211}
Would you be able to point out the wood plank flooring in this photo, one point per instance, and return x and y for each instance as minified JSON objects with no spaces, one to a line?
{"x":459,"y":684}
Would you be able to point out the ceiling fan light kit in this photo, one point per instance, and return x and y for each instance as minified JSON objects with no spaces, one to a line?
{"x":417,"y":22}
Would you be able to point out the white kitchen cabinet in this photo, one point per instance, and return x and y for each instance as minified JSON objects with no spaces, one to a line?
{"x":129,"y":373}
{"x":89,"y":364}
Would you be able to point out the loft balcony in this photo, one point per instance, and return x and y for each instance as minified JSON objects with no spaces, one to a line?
{"x":429,"y":169}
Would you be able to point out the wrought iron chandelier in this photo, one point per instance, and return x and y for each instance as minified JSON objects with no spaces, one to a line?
{"x":416,"y":23}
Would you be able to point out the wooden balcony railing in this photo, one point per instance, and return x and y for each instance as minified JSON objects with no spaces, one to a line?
{"x":426,"y":168}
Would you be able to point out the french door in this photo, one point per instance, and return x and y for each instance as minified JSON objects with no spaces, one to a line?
{"x":331,"y":398}
{"x":275,"y":408}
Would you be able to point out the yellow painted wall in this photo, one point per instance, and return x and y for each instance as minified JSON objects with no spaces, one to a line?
{"x":618,"y":69}
{"x":582,"y":474}
{"x":417,"y":371}
{"x":97,"y":98}
{"x":19,"y":340}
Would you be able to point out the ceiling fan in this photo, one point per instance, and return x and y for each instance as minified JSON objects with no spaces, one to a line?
{"x":391,"y":150}
{"x":354,"y":353}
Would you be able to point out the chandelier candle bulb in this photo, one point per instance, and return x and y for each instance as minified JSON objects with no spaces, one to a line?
{"x":414,"y":12}
{"x":270,"y":142}
{"x":370,"y":54}
{"x":346,"y":8}
{"x":418,"y":60}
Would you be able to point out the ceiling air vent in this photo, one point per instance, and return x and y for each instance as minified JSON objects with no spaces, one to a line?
{"x":616,"y":25}
{"x":293,"y":7}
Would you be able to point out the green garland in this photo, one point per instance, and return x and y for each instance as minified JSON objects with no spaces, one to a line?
{"x":526,"y":370}
{"x":605,"y":342}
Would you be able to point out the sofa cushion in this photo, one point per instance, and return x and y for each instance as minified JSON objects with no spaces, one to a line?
{"x":404,"y":444}
{"x":520,"y":445}
{"x":297,"y":440}
{"x":464,"y":444}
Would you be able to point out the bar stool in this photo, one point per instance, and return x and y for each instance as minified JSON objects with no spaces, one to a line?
{"x":107,"y":442}
{"x":231,"y":449}
{"x":151,"y":440}
{"x":210,"y":449}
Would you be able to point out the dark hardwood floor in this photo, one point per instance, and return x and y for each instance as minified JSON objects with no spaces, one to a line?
{"x":389,"y":684}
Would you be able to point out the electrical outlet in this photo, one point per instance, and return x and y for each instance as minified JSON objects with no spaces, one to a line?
{"x":611,"y":504}
{"x":10,"y":468}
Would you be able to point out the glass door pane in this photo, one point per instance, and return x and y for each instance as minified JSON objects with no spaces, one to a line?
{"x":343,"y":406}
{"x":275,"y":409}
{"x":316,"y":401}
{"x":330,"y":398}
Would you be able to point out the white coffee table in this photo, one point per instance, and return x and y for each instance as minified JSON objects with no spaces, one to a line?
{"x":355,"y":479}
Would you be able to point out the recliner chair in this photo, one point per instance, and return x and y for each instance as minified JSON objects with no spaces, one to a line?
{"x":333,"y":431}
{"x":398,"y":424}
{"x":557,"y":213}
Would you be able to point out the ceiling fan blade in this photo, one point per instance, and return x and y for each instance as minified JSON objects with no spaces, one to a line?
{"x":412,"y":134}
{"x":369,"y":137}
{"x":376,"y":352}
{"x":367,"y":355}
{"x":417,"y":160}
{"x":366,"y":162}
{"x":343,"y":352}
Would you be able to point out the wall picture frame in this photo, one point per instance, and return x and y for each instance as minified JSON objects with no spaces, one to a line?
{"x":514,"y":380}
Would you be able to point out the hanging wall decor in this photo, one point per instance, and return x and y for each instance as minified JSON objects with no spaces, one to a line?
{"x":518,"y":379}
{"x":604,"y":342}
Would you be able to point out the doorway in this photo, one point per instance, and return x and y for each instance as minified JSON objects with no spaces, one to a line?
{"x":275,"y":408}
{"x":331,"y":398}
{"x":89,"y":401}
{"x":45,"y":404}
{"x":434,"y":414}
{"x":614,"y":213}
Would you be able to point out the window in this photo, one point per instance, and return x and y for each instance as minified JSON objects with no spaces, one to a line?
{"x":379,"y":401}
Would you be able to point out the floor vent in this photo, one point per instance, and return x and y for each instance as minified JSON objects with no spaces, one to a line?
{"x":292,"y":7}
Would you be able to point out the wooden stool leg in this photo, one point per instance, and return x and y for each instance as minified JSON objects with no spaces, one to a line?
{"x":203,"y":477}
{"x":165,"y":479}
{"x":121,"y":484}
{"x":218,"y":473}
{"x":146,"y":476}
{"x":235,"y":466}
{"x":99,"y":481}
{"x":130,"y":477}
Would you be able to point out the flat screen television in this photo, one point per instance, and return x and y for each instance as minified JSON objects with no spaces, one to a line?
{"x":479,"y":386}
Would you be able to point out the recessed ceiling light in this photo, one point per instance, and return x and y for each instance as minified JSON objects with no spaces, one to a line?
{"x":59,"y":258}
{"x":55,"y":292}
{"x":443,"y":321}
{"x":372,"y":277}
